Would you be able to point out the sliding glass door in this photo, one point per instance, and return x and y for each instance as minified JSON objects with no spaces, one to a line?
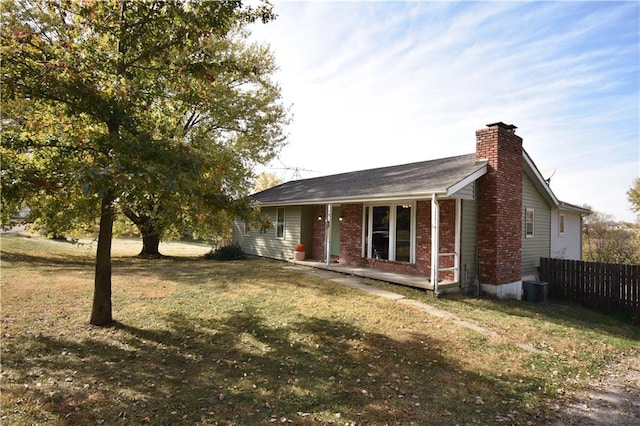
{"x":389,"y":232}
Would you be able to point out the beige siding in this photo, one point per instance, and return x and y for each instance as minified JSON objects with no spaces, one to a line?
{"x":466,"y":193}
{"x":468,"y":243}
{"x":533,"y":248}
{"x":266,"y":244}
{"x":306,"y":227}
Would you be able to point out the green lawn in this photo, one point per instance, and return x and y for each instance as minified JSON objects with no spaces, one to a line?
{"x":254,"y":342}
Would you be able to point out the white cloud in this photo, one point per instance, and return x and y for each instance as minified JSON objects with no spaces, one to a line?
{"x":376,"y":84}
{"x":599,"y":187}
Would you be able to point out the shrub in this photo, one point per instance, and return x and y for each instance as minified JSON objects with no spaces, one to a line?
{"x":228,"y":252}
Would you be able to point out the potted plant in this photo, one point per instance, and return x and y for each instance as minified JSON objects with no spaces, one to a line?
{"x":298,"y":252}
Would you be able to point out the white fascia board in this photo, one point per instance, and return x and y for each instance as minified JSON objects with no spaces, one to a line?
{"x":347,"y":200}
{"x":466,"y":181}
{"x":566,"y":207}
{"x":536,"y":177}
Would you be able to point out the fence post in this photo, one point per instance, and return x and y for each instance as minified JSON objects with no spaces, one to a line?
{"x":615,"y":288}
{"x":544,"y":274}
{"x":635,"y":290}
{"x":572,"y":282}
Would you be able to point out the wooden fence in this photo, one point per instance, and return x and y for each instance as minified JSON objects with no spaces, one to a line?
{"x":603,"y":286}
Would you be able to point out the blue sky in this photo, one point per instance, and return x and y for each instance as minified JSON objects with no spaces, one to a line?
{"x":373,"y":84}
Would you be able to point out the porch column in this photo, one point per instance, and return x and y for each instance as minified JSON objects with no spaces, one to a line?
{"x":435,"y":242}
{"x":456,"y":273}
{"x":327,"y":234}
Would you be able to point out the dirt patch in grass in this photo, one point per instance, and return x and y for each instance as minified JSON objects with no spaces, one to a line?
{"x":250,"y":342}
{"x":613,"y":398}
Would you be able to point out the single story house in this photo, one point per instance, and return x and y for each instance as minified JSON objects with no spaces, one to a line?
{"x":485,"y":217}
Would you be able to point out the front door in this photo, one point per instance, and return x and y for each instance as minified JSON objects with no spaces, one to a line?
{"x":335,"y":231}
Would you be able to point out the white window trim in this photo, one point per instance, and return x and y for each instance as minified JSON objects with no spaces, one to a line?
{"x":533,"y":222}
{"x":365,"y":237}
{"x":284,"y":222}
{"x":562,"y":224}
{"x":392,"y":229}
{"x":247,"y":228}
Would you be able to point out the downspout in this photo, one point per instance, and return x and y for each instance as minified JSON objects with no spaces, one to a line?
{"x":327,"y":231}
{"x":435,"y":242}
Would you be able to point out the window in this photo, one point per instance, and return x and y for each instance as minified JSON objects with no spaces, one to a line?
{"x":365,"y":236}
{"x":389,"y":232}
{"x":380,"y":232}
{"x":403,"y":233}
{"x":561,"y":225}
{"x":280,"y":222}
{"x":529,"y":218}
{"x":247,"y":228}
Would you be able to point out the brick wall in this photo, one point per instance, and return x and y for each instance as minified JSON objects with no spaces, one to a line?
{"x":447,"y":236}
{"x":499,"y":201}
{"x":351,"y":233}
{"x":351,"y":239}
{"x":423,"y":237}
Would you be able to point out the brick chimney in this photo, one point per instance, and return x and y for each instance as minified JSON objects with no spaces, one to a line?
{"x":499,"y":201}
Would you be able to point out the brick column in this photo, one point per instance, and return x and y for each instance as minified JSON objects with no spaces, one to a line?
{"x":351,"y":234}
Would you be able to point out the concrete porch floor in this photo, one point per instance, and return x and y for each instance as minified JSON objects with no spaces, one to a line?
{"x":375,"y":274}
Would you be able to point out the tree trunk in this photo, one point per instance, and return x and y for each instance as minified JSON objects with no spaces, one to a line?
{"x":101,"y":311}
{"x":150,"y":243}
{"x":149,"y":231}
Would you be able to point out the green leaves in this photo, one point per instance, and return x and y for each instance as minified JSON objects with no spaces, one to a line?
{"x":633,"y":195}
{"x":140,"y":99}
{"x":158,"y":109}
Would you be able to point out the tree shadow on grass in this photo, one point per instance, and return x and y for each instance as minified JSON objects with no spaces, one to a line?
{"x":41,"y":261}
{"x":245,"y":369}
{"x":226,"y":274}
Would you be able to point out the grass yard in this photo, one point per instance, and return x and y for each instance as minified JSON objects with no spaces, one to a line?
{"x":253,"y":342}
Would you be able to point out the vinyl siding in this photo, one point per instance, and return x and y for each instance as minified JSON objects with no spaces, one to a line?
{"x":266,"y":244}
{"x":533,"y":248}
{"x":569,"y":244}
{"x":466,"y":193}
{"x":468,"y":243}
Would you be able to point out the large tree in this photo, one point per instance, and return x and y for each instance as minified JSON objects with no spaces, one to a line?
{"x":229,"y":124}
{"x":633,"y":195}
{"x":154,"y":109}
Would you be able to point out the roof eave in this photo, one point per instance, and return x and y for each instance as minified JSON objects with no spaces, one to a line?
{"x":583,"y":211}
{"x":467,"y":180}
{"x":351,"y":199}
{"x":539,"y":182}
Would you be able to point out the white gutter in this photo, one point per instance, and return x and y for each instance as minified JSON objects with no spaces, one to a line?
{"x":327,"y":232}
{"x":458,"y":225}
{"x":435,"y":242}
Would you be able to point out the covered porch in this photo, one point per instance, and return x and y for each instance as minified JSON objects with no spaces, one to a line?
{"x":421,"y":241}
{"x":408,"y":280}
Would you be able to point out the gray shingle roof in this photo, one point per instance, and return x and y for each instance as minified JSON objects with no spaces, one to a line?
{"x":406,"y":180}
